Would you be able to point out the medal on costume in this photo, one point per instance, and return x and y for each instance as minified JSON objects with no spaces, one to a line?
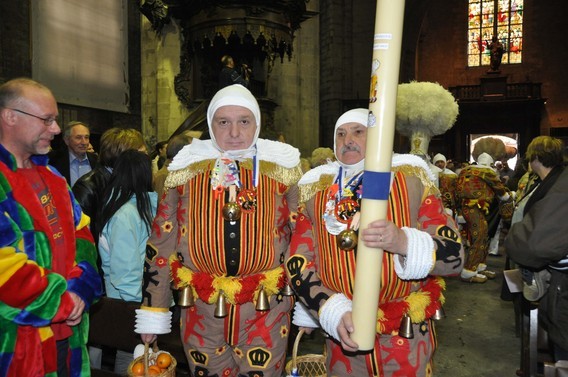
{"x":226,"y":175}
{"x":247,"y":200}
{"x":345,"y":210}
{"x":341,"y":214}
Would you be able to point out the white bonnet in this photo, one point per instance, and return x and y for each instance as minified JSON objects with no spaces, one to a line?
{"x":484,"y":159}
{"x":352,"y":116}
{"x":439,"y":157}
{"x":233,"y":95}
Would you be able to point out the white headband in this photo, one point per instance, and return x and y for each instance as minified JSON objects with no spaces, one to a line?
{"x":439,"y":157}
{"x":233,"y":95}
{"x":360,"y":116}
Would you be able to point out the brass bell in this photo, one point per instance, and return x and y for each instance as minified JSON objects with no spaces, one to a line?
{"x":231,"y":211}
{"x":439,"y":314}
{"x":262,"y":303}
{"x":347,"y":239}
{"x":406,"y":330}
{"x":287,"y":290}
{"x":221,"y":306}
{"x":185,"y":298}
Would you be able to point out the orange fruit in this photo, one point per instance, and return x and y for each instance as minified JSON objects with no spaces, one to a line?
{"x":164,"y":360}
{"x":138,"y":369}
{"x":154,"y":370}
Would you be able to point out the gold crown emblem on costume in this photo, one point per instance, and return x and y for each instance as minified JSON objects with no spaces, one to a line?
{"x":447,"y":232}
{"x":259,"y":357}
{"x":198,"y":357}
{"x":295,"y":264}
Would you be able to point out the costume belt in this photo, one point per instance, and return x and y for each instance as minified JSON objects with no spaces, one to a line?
{"x":481,"y":204}
{"x":236,"y":289}
{"x":419,"y":305}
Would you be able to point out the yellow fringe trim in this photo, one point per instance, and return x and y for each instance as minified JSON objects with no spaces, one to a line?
{"x":307,"y":191}
{"x":274,"y":171}
{"x":326,"y":180}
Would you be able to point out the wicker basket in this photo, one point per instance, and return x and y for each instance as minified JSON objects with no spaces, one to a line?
{"x":151,"y":360}
{"x":310,"y":365}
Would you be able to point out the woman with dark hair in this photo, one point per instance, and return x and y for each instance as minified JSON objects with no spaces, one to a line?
{"x":125,"y":221}
{"x":126,"y":217}
{"x":88,"y":189}
{"x":158,"y":156}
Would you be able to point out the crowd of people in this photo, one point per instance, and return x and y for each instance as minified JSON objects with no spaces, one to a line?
{"x":257,"y":236}
{"x":526,"y":205}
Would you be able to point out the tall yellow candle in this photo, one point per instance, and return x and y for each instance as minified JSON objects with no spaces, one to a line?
{"x":387,"y":43}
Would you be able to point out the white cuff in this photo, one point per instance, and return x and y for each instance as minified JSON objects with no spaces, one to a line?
{"x":505,"y":197}
{"x":139,"y":351}
{"x":419,"y":258}
{"x":332,"y":311}
{"x":153,"y":322}
{"x":303,"y":318}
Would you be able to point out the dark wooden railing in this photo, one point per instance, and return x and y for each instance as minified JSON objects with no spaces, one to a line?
{"x":516,"y":91}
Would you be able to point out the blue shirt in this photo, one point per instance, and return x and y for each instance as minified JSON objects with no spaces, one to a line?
{"x":122,"y":247}
{"x":77,"y":167}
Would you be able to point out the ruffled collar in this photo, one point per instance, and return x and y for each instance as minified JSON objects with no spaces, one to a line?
{"x":332,"y":168}
{"x":266,"y":150}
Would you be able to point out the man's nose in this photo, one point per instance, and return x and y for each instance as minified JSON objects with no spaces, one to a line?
{"x":54,"y":127}
{"x":234,"y":130}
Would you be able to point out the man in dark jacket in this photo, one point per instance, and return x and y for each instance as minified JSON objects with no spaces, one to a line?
{"x":90,"y":188}
{"x":229,"y":74}
{"x":73,"y":160}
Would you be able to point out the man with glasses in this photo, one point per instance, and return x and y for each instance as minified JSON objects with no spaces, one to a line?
{"x":48,"y":277}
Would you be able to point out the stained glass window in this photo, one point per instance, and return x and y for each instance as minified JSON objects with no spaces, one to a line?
{"x":500,"y":18}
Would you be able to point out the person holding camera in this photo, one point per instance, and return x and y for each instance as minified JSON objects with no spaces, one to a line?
{"x":229,"y":75}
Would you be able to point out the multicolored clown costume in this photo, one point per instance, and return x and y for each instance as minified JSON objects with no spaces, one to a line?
{"x":196,"y":243}
{"x":38,"y":269}
{"x":322,"y":274}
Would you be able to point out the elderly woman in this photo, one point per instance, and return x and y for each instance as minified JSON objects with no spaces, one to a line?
{"x":540,"y":239}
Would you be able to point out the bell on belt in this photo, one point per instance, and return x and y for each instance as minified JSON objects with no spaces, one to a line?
{"x":231,"y":211}
{"x":406,"y":330}
{"x":347,"y":239}
{"x":221,"y":306}
{"x":185,"y":298}
{"x":287,"y":290}
{"x":262,"y":303}
{"x":439,"y":314}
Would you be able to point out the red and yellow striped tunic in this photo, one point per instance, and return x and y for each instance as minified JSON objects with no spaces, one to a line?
{"x":318,"y":268}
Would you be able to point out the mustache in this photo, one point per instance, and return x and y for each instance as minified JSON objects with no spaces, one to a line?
{"x":350,"y":148}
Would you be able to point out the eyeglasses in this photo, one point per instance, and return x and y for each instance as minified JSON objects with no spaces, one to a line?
{"x":47,"y":121}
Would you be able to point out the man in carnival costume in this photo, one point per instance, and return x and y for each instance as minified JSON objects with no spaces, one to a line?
{"x":48,"y":277}
{"x":222,"y":230}
{"x":322,"y":272}
{"x":483,"y":198}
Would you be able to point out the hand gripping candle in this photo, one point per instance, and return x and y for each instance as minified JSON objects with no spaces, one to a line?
{"x":387,"y":43}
